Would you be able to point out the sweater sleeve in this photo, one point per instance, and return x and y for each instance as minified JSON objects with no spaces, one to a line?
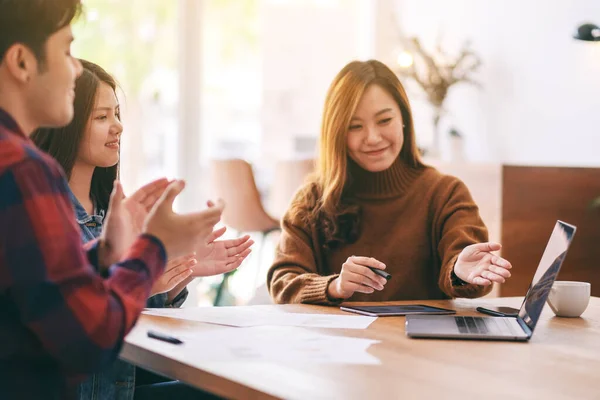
{"x":458,"y":225}
{"x":294,"y":276}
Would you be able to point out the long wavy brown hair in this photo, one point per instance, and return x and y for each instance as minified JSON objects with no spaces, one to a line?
{"x":328,"y":198}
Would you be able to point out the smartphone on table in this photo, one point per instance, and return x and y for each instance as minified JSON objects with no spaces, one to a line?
{"x":499,"y":311}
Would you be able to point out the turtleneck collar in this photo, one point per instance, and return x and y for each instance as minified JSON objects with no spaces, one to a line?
{"x":392,"y":182}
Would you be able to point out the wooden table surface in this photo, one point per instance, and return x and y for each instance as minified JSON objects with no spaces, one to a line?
{"x":561,"y":361}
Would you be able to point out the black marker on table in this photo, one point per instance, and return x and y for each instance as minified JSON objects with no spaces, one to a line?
{"x":165,"y":338}
{"x":381,"y":272}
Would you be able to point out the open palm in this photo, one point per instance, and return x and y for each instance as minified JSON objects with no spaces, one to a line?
{"x":476,"y":264}
{"x":220,"y":256}
{"x":125,"y":217}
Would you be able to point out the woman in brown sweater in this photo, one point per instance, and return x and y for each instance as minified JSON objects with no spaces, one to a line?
{"x":374,"y":204}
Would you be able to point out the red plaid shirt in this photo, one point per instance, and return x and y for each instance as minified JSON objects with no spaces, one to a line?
{"x":58,"y":317}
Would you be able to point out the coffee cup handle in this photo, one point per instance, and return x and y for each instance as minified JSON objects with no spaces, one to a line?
{"x":550,"y":295}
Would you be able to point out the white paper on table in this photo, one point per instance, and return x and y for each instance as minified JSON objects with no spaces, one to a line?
{"x":230,"y":316}
{"x":254,"y":316}
{"x":277,"y":344}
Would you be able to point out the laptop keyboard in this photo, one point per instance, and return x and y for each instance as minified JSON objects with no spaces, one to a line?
{"x":482,"y":326}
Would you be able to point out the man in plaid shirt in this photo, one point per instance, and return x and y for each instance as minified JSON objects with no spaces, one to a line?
{"x":60,"y":319}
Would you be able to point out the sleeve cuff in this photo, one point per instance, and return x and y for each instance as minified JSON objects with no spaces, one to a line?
{"x":161,"y":300}
{"x":179,"y":299}
{"x":150,"y":251}
{"x":315,"y":291}
{"x":157,"y":301}
{"x":161,"y":248}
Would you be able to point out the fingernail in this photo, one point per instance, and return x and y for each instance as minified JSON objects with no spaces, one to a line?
{"x":382,"y":265}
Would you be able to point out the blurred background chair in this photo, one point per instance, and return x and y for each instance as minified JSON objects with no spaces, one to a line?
{"x":290,"y":175}
{"x":233,"y":181}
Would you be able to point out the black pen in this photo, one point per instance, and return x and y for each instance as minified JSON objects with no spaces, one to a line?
{"x":381,"y":273}
{"x":163,"y":337}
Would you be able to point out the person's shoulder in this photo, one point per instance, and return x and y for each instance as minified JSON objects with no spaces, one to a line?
{"x":20,"y":157}
{"x":309,"y":193}
{"x":13,"y":149}
{"x":440,"y":180}
{"x":440,"y":187}
{"x":304,"y":202}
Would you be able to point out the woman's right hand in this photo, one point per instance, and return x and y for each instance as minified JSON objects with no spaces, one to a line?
{"x":176,"y":271}
{"x":356,"y":276}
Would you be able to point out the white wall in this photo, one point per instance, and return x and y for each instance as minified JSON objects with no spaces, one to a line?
{"x":540,"y":102}
{"x":304,"y":44}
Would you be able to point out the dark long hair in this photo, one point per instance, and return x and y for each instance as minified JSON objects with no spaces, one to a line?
{"x":63,"y":143}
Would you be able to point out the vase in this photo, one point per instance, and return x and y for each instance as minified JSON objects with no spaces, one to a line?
{"x":457,"y":148}
{"x":434,"y":150}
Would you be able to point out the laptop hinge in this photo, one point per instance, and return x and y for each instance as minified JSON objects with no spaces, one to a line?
{"x":524,"y":326}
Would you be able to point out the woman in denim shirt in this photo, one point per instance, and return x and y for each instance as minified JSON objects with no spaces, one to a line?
{"x":88,"y":150}
{"x":91,"y":228}
{"x":119,"y":381}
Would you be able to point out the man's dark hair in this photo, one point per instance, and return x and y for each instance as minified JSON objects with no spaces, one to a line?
{"x":32,"y":22}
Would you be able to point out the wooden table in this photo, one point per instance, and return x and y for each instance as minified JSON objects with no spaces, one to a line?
{"x":561,"y":361}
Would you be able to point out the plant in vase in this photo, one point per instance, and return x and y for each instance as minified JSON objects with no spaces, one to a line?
{"x":456,"y":145}
{"x":435,"y":73}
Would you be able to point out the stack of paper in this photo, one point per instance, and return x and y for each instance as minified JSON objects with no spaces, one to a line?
{"x":276,"y":344}
{"x":257,"y":316}
{"x":266,"y":335}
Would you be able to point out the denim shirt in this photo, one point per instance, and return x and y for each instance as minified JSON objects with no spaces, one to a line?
{"x":117,"y":381}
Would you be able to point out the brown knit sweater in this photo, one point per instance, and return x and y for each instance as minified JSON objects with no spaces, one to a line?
{"x":415,"y":221}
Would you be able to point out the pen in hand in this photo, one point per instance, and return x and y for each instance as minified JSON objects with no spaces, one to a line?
{"x":381,"y":273}
{"x":165,"y":338}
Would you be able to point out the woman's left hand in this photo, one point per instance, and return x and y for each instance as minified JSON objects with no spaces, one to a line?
{"x":176,"y":273}
{"x":476,"y":264}
{"x":221,"y":256}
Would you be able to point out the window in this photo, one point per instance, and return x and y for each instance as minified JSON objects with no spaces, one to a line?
{"x":206,"y":79}
{"x":134,"y":41}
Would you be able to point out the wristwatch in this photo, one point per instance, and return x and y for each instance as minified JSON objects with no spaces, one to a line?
{"x":456,"y":281}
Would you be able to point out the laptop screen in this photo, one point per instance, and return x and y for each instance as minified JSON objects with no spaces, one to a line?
{"x":546,"y":273}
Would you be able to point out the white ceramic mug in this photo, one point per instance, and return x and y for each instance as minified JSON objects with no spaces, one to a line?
{"x":569,"y":298}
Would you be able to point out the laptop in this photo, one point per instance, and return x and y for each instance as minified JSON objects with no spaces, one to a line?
{"x":518,"y":328}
